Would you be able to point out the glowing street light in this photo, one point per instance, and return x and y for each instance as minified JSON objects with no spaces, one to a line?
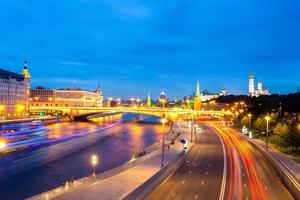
{"x":236,"y":117}
{"x":2,"y":144}
{"x":94,"y":162}
{"x":249,"y":116}
{"x":267,"y":118}
{"x":163,"y":121}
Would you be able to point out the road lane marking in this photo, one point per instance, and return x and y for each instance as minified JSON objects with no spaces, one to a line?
{"x":196,"y":196}
{"x":183,"y":181}
{"x":206,"y":172}
{"x":222,"y":191}
{"x":202,"y":183}
{"x":266,"y":187}
{"x":190,"y":171}
{"x":245,"y":185}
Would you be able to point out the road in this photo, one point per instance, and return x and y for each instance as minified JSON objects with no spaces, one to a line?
{"x":247,"y":174}
{"x":201,"y":174}
{"x":113,"y":150}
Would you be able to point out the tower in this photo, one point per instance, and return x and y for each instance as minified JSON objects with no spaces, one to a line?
{"x":26,"y":75}
{"x":197,"y":98}
{"x":259,"y":85}
{"x":176,"y":100}
{"x":100,"y":95}
{"x":251,"y":85}
{"x":149,"y":100}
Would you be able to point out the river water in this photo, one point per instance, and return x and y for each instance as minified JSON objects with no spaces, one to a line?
{"x":114,"y":150}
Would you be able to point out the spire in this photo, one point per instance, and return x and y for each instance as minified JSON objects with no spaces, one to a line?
{"x":99,"y":85}
{"x":25,"y":64}
{"x":149,"y":100}
{"x":197,"y":94}
{"x":176,"y":99}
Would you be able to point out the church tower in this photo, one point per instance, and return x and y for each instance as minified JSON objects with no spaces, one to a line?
{"x":26,"y":75}
{"x":197,"y":98}
{"x":149,"y":100}
{"x":100,"y":95}
{"x":251,"y":85}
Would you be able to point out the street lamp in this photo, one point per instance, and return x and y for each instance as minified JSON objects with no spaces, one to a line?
{"x":94,"y":161}
{"x":192,"y":126}
{"x":249,"y":116}
{"x":267,"y":118}
{"x":163,"y":121}
{"x":236,"y":118}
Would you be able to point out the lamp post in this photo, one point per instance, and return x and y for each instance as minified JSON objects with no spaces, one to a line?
{"x":249,"y":116}
{"x":236,"y":118}
{"x":163,"y":121}
{"x":192,"y":126}
{"x":94,"y":161}
{"x":267,"y":118}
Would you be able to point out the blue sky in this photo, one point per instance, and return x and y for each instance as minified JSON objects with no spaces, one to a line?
{"x":135,"y":47}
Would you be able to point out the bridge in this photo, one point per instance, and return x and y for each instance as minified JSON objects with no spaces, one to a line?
{"x":171,"y":113}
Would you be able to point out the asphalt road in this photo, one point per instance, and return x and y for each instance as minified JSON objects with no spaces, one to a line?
{"x":200,"y":177}
{"x":248,"y":175}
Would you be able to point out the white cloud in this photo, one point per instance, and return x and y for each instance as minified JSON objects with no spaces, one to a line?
{"x":73,"y":63}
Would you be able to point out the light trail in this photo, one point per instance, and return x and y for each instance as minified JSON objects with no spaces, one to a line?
{"x":239,"y":157}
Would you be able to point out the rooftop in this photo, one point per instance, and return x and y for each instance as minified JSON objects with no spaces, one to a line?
{"x":4,"y":74}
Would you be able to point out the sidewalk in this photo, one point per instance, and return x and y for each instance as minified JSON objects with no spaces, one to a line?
{"x":119,"y":185}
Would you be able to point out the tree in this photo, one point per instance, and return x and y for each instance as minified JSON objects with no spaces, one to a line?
{"x":245,"y":121}
{"x":260,"y":123}
{"x":281,"y":129}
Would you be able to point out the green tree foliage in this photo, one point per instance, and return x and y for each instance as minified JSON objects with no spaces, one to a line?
{"x":281,"y":129}
{"x":245,"y":121}
{"x":260,"y":123}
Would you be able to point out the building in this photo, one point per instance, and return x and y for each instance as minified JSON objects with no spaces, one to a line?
{"x":259,"y":91}
{"x":251,"y":85}
{"x":197,"y":98}
{"x":67,"y":97}
{"x":162,"y":100}
{"x":14,"y":93}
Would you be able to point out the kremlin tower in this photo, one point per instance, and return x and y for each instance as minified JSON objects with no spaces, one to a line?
{"x":197,"y":98}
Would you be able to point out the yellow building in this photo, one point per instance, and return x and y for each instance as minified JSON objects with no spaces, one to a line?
{"x":68,"y":97}
{"x":14,"y":93}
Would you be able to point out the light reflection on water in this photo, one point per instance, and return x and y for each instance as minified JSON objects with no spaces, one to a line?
{"x":114,"y":150}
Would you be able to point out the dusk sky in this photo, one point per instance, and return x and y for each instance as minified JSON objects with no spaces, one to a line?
{"x":135,"y":47}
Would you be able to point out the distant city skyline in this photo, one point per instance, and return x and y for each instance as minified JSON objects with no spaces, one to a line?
{"x":140,"y":47}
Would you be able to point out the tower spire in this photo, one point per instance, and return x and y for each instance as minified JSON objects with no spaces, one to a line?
{"x":149,"y":100}
{"x":197,"y":98}
{"x":198,"y":89}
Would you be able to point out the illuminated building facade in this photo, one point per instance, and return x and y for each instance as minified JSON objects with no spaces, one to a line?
{"x":14,"y":93}
{"x":68,"y":97}
{"x":162,"y":100}
{"x":259,"y":91}
{"x":251,"y":85}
